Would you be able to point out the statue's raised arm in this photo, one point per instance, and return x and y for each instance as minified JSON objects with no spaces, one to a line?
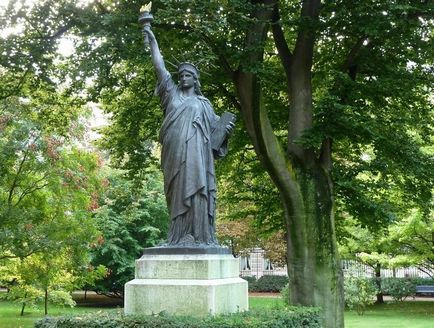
{"x":157,"y":58}
{"x":146,"y":19}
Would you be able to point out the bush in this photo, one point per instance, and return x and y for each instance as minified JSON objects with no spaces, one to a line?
{"x":422,"y":281}
{"x":251,"y":281}
{"x":386,"y":282}
{"x":292,"y":317}
{"x":284,"y":294}
{"x":399,"y":288}
{"x":359,"y":293}
{"x":268,"y":283}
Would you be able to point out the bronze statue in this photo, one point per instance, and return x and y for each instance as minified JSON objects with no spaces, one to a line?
{"x":188,"y":138}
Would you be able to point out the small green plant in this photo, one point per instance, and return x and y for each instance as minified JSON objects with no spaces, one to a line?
{"x":359,"y":293}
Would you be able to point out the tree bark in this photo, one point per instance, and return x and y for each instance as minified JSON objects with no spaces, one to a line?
{"x":46,"y":302}
{"x":313,"y":262}
{"x":23,"y":306}
{"x":380,"y":299}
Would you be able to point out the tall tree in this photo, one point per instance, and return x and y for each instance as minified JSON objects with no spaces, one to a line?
{"x":130,"y":218}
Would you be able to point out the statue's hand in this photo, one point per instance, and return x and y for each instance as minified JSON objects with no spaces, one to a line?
{"x":148,"y":31}
{"x":230,"y":128}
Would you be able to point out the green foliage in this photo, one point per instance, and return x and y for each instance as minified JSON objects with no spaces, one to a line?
{"x":408,"y":283}
{"x":24,"y":294}
{"x":251,"y":280}
{"x":291,"y":317}
{"x":421,"y":281}
{"x":130,"y":218}
{"x":268,"y":283}
{"x":284,"y":294}
{"x":48,"y":189}
{"x":359,"y":293}
{"x":399,"y":288}
{"x":41,"y":277}
{"x":47,"y":185}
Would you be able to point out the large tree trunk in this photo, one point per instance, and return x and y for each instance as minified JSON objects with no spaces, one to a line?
{"x":314,"y":269}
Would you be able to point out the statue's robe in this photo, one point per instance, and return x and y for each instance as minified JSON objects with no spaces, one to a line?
{"x":187,"y":160}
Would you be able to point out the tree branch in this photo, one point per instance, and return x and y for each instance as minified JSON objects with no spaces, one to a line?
{"x":232,"y":98}
{"x":32,"y":188}
{"x":350,"y":65}
{"x":326,"y":154}
{"x":256,"y":119}
{"x":217,"y":50}
{"x":306,"y":36}
{"x":15,"y":181}
{"x":301,"y":111}
{"x":285,"y":54}
{"x":19,"y":85}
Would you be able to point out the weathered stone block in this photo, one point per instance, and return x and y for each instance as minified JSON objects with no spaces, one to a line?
{"x":186,"y":284}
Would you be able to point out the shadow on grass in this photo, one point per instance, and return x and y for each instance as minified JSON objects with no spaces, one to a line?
{"x":94,"y":300}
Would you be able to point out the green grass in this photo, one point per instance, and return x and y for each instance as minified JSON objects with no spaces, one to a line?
{"x":409,"y":314}
{"x":266,"y":303}
{"x":10,"y":313}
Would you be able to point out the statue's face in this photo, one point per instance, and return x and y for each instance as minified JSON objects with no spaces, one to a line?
{"x":186,"y":80}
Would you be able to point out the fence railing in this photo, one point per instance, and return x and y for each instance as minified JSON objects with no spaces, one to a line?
{"x":256,"y":264}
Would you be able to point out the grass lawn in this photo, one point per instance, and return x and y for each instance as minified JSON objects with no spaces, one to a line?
{"x":10,"y":313}
{"x":409,"y":314}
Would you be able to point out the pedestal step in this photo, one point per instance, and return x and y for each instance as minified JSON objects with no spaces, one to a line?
{"x":186,"y":284}
{"x":187,"y":297}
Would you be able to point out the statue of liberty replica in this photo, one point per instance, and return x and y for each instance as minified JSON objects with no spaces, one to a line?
{"x":191,"y":139}
{"x":190,"y":274}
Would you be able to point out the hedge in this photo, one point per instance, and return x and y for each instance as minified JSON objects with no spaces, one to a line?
{"x":387,"y":282}
{"x":292,"y":317}
{"x":267,"y":283}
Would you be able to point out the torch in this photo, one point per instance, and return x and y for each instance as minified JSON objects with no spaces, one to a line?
{"x":146,"y":19}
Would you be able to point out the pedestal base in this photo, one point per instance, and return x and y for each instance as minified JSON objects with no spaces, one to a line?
{"x":199,"y":284}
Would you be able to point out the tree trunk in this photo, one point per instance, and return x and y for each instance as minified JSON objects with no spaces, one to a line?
{"x":380,"y":299}
{"x":46,"y":302}
{"x":314,"y":268}
{"x":23,"y":306}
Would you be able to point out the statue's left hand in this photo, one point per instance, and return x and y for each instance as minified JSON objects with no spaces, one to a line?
{"x":230,"y":128}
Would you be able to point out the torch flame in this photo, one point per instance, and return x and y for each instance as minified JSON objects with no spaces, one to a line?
{"x":146,"y":7}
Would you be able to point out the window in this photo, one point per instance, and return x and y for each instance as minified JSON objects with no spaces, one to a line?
{"x":245,"y":263}
{"x":268,"y":265}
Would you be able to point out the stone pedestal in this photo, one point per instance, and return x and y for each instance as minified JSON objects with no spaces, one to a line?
{"x":194,"y":284}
